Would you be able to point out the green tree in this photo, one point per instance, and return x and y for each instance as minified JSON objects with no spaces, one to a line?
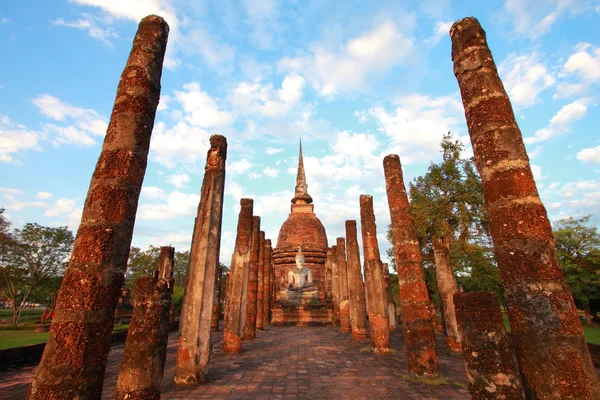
{"x":35,"y":256}
{"x":578,"y":252}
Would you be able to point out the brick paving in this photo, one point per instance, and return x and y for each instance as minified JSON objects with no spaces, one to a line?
{"x":290,"y":363}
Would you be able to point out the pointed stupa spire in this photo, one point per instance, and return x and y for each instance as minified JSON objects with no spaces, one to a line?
{"x":301,"y":195}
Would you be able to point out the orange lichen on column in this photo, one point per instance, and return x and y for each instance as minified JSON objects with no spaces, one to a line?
{"x":235,"y":304}
{"x":553,"y":356}
{"x":379,"y":327}
{"x":261,"y":281}
{"x":342,"y":269}
{"x":415,"y":306}
{"x":488,"y":357}
{"x":194,"y":350}
{"x":356,"y":289}
{"x":74,"y":359}
{"x":268,"y":272}
{"x":250,"y":325}
{"x":143,"y":362}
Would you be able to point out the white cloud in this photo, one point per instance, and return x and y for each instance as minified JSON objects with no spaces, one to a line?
{"x":178,"y":180}
{"x":44,"y":195}
{"x":334,"y":71}
{"x":85,"y":123}
{"x":200,"y":109}
{"x":177,"y":204}
{"x":263,"y":16}
{"x":416,"y":127}
{"x":272,"y":172}
{"x":589,"y":155}
{"x":536,"y":170}
{"x":440,"y":30}
{"x":90,"y":24}
{"x":534,"y":18}
{"x":15,"y":138}
{"x":171,"y":146}
{"x":239,"y":166}
{"x":13,"y":202}
{"x":578,"y":198}
{"x":560,"y":123}
{"x":524,"y":77}
{"x":218,"y":55}
{"x":270,"y":151}
{"x":263,"y":100}
{"x":585,"y":63}
{"x":61,"y":206}
{"x":153,"y":192}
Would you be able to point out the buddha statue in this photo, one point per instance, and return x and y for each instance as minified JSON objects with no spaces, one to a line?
{"x":300,"y":277}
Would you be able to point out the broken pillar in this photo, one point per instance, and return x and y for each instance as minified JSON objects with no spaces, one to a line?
{"x":194,"y":349}
{"x":233,"y":324}
{"x":379,"y":327}
{"x":250,"y":325}
{"x":216,"y":312}
{"x":74,"y":358}
{"x":342,"y":270}
{"x":261,"y":282}
{"x":356,"y":291}
{"x":447,"y":287}
{"x":488,"y":357}
{"x":415,"y":306}
{"x":390,"y":301}
{"x":268,"y":272}
{"x":145,"y":350}
{"x":328,"y":272}
{"x":335,"y":285}
{"x":553,"y":356}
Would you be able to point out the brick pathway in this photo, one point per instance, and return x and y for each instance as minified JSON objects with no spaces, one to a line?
{"x":290,"y":363}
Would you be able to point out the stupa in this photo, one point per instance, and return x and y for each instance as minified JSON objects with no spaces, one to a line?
{"x":299,"y":262}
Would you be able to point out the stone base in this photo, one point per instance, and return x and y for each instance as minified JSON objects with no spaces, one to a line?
{"x":302,"y":314}
{"x":306,"y":297}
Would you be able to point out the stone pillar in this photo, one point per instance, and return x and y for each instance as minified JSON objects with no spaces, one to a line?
{"x":356,"y":292}
{"x":415,"y":306}
{"x":268,"y":271}
{"x":250,"y":326}
{"x":233,"y":325}
{"x":328,"y":273}
{"x":447,"y":287}
{"x":342,"y":270}
{"x":216,"y":312}
{"x":488,"y":358}
{"x":334,"y":285}
{"x":74,"y":359}
{"x":145,"y":351}
{"x":194,"y":349}
{"x":390,"y":301}
{"x":553,"y":356}
{"x":374,"y":282}
{"x":261,"y":282}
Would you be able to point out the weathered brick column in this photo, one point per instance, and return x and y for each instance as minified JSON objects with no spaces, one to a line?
{"x":335,"y":285}
{"x":356,"y":291}
{"x":145,"y":351}
{"x":216,"y":311}
{"x":261,"y":282}
{"x":390,"y":301}
{"x":342,"y":270}
{"x":415,"y":306}
{"x":328,"y":274}
{"x":268,"y":272}
{"x":553,"y":357}
{"x":447,"y":287}
{"x":235,"y":304}
{"x":73,"y":363}
{"x":250,"y":325}
{"x":379,"y":328}
{"x":488,"y":358}
{"x":194,"y":349}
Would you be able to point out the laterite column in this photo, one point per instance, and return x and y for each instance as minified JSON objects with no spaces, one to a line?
{"x":356,"y":291}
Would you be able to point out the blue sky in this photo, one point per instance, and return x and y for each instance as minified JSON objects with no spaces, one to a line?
{"x":356,"y":80}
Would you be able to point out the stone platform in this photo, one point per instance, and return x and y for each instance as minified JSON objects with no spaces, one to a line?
{"x":302,"y":314}
{"x":290,"y":363}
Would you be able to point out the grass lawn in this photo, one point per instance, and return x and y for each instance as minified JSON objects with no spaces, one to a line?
{"x":27,"y":315}
{"x":10,"y":339}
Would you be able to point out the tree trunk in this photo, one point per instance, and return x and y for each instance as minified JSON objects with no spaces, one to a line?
{"x":588,"y":312}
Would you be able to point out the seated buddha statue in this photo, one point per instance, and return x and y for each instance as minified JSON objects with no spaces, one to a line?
{"x":299,"y":278}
